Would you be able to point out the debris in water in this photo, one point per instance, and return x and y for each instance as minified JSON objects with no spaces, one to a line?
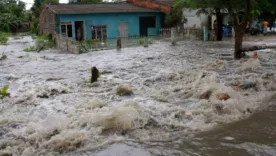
{"x":95,"y":74}
{"x":228,"y":138}
{"x":255,"y":54}
{"x":247,"y":85}
{"x":222,"y":96}
{"x":124,"y":90}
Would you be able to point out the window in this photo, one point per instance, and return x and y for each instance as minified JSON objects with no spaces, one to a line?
{"x":99,"y":32}
{"x":66,"y":29}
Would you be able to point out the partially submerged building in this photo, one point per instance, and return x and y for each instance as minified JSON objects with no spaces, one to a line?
{"x":100,"y":21}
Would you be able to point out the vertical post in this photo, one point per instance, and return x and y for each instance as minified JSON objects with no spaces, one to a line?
{"x":119,"y":43}
{"x":205,"y":30}
{"x":173,"y":36}
{"x":146,"y":42}
{"x":66,"y":43}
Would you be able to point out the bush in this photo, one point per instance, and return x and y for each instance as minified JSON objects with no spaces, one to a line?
{"x":140,"y":41}
{"x":31,"y":48}
{"x":4,"y":38}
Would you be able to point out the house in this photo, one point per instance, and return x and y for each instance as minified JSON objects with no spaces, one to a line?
{"x":198,"y":21}
{"x":194,"y":20}
{"x":100,"y":21}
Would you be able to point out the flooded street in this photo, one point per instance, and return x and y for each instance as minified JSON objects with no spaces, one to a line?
{"x":190,"y":99}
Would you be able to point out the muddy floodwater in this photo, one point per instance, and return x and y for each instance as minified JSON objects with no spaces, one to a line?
{"x":192,"y":99}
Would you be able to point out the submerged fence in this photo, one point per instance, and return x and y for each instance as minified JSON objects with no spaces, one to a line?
{"x":72,"y":46}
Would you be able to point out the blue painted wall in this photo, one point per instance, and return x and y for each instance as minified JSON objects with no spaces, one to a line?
{"x":111,"y":21}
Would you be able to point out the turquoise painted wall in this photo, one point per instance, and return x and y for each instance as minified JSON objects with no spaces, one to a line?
{"x":111,"y":21}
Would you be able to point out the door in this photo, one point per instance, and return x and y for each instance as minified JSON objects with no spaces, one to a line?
{"x":123,"y":29}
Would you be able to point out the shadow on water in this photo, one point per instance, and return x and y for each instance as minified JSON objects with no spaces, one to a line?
{"x":253,"y":136}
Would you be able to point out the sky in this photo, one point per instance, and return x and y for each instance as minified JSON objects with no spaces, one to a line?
{"x":29,"y":3}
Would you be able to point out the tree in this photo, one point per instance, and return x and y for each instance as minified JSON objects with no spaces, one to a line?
{"x":234,"y":8}
{"x":11,"y":13}
{"x":175,"y":17}
{"x":85,"y":1}
{"x":9,"y":22}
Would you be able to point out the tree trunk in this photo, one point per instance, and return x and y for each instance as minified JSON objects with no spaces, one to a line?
{"x":238,"y":42}
{"x":219,"y":25}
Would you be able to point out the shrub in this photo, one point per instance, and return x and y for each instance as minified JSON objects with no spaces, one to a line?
{"x":4,"y":38}
{"x":140,"y":41}
{"x":31,"y":48}
{"x":4,"y":92}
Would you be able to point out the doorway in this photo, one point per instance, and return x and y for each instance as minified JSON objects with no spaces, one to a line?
{"x":145,"y":23}
{"x":79,"y":30}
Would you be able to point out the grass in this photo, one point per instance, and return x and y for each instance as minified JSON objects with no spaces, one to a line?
{"x":43,"y":41}
{"x":142,"y":40}
{"x":4,"y":37}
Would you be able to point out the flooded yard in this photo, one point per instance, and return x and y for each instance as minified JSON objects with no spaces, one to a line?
{"x":189,"y":99}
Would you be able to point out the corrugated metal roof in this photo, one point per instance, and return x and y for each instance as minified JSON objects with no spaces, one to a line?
{"x":97,"y":8}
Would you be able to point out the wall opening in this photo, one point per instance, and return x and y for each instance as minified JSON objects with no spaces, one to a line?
{"x":145,"y":23}
{"x":79,"y":30}
{"x":99,"y":32}
{"x":66,"y":29}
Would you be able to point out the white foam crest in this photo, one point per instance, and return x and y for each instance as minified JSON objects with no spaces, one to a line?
{"x":120,"y":117}
{"x":67,"y":140}
{"x":250,"y":64}
{"x":52,"y":124}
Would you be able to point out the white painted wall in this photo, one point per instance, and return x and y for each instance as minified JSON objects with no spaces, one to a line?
{"x":193,"y":19}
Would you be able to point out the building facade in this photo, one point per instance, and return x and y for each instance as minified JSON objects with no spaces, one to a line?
{"x":100,"y":21}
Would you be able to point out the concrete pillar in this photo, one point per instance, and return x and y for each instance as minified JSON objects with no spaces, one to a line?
{"x":146,"y":44}
{"x":173,"y":36}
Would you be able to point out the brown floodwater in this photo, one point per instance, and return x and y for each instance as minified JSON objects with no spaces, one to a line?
{"x":255,"y":135}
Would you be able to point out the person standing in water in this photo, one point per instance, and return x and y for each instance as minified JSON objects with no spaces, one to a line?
{"x":79,"y":34}
{"x":266,"y":24}
{"x":215,"y":28}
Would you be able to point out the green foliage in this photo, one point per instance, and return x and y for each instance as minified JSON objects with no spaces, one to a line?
{"x":141,"y":40}
{"x":3,"y":58}
{"x":9,"y":22}
{"x":11,"y":13}
{"x":31,"y":48}
{"x":16,"y":37}
{"x":175,"y":17}
{"x":4,"y":92}
{"x":4,"y":38}
{"x":41,"y":42}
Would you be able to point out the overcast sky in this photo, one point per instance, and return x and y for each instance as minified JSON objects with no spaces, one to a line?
{"x":29,"y":3}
